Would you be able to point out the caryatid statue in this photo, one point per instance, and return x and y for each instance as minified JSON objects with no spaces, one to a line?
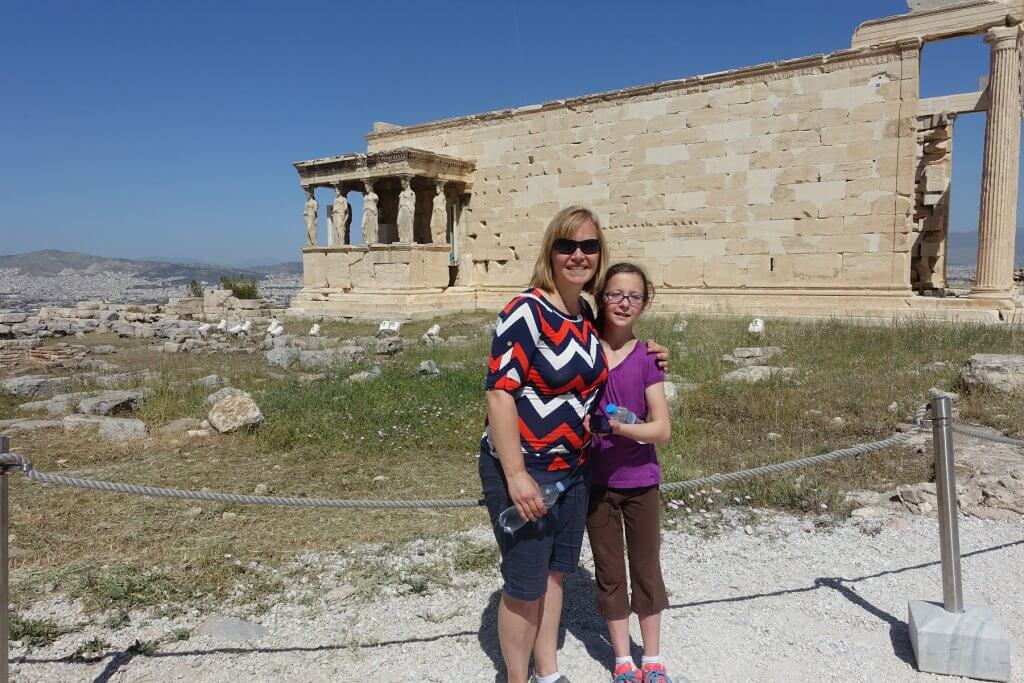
{"x":341,"y":215}
{"x":370,"y":215}
{"x":439,"y":216}
{"x":309,"y":213}
{"x":406,"y":211}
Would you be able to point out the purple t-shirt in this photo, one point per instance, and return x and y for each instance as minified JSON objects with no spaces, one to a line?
{"x":619,"y":462}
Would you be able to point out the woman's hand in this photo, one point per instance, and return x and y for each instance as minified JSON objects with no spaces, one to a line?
{"x":614,"y":426}
{"x":525,"y":495}
{"x":660,"y":351}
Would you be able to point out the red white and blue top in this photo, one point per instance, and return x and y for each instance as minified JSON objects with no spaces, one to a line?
{"x":553,"y":365}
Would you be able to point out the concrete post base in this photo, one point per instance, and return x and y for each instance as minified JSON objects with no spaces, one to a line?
{"x":972,"y":644}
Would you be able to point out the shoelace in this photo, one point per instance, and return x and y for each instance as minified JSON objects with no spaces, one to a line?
{"x":655,"y":676}
{"x":628,"y":677}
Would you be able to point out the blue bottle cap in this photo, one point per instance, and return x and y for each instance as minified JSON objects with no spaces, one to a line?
{"x":611,"y":408}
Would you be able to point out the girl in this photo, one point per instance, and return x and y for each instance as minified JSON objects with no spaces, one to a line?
{"x":626,"y":476}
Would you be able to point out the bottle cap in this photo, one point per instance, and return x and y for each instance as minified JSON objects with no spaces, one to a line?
{"x":611,"y":408}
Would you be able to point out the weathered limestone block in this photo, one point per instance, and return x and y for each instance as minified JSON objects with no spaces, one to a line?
{"x":233,"y":413}
{"x":1000,"y":372}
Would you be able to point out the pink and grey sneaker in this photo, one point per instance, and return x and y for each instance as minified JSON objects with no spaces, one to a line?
{"x":627,"y":673}
{"x":655,"y":673}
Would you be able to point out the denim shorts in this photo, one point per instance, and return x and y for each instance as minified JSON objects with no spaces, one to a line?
{"x":552,"y":543}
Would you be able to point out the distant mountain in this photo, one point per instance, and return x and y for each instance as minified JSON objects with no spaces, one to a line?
{"x":963,"y":249}
{"x":54,"y":261}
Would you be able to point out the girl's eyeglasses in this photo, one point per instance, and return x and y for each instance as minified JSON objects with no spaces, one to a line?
{"x":566,"y":246}
{"x":615,"y":298}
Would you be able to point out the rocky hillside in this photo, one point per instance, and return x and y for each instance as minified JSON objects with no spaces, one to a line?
{"x":56,"y":262}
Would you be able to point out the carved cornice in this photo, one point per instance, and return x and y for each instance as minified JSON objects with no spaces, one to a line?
{"x":392,"y":162}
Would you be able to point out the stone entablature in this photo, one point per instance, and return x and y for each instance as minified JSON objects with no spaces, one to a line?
{"x":813,"y":185}
{"x":354,"y":169}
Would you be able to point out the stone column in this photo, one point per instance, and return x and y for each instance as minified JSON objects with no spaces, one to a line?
{"x":371,"y":214}
{"x":997,"y":223}
{"x":339,"y":216}
{"x":309,"y":214}
{"x":406,"y":211}
{"x":439,"y":216}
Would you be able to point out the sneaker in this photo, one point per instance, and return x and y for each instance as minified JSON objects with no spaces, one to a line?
{"x":561,"y":679}
{"x":655,"y":673}
{"x":627,"y":673}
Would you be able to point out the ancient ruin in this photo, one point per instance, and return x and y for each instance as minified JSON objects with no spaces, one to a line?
{"x":813,"y":186}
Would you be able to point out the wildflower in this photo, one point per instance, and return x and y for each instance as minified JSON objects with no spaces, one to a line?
{"x":673,"y":505}
{"x":689,"y":509}
{"x":716,"y":490}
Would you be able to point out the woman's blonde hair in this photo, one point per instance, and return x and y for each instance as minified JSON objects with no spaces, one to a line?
{"x":564,"y":225}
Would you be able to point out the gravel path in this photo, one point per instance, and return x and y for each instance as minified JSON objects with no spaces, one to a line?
{"x":786,"y":602}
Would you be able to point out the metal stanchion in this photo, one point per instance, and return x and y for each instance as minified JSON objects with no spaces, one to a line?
{"x":945,"y":491}
{"x":5,"y":624}
{"x":947,"y":638}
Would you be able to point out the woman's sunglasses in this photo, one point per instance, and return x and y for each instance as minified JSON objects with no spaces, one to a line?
{"x":566,"y":246}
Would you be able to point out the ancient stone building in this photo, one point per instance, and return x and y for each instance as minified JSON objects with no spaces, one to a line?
{"x":813,"y":186}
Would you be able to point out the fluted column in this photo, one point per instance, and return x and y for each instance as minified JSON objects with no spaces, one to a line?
{"x":997,"y":223}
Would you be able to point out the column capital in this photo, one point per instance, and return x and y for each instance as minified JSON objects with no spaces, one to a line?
{"x":1002,"y":37}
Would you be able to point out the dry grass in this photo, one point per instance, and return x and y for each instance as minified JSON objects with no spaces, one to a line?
{"x":337,"y":439}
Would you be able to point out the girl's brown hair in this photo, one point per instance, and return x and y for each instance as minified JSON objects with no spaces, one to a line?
{"x":565,"y":224}
{"x":618,"y":269}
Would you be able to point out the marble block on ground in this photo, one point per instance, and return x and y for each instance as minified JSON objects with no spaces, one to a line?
{"x":971,"y":644}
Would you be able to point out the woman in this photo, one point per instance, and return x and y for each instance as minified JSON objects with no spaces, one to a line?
{"x":546,"y":371}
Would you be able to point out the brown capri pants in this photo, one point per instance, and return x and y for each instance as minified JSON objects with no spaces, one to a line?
{"x":639,"y":511}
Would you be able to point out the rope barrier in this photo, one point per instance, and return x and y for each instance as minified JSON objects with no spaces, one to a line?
{"x":982,"y":434}
{"x":13,"y":459}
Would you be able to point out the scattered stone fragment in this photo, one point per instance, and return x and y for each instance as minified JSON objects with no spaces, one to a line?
{"x":33,"y":386}
{"x":114,"y":401}
{"x":198,"y":433}
{"x":108,"y":428}
{"x":281,"y":357}
{"x":235,"y":412}
{"x":366,"y":375}
{"x":28,"y":425}
{"x":428,"y":367}
{"x":388,"y":346}
{"x":103,"y":350}
{"x":224,"y":393}
{"x":209,"y":381}
{"x":1000,"y":372}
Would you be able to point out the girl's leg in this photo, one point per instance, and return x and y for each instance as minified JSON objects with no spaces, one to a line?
{"x":642,"y":518}
{"x":517,"y":630}
{"x":650,"y":630}
{"x":604,"y":525}
{"x":545,"y":649}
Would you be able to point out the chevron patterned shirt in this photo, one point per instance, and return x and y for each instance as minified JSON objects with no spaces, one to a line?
{"x":554,"y":367}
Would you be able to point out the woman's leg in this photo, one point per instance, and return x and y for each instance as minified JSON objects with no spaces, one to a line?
{"x":517,"y":631}
{"x":545,"y":649}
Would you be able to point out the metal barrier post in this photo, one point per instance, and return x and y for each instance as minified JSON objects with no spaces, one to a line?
{"x":948,"y":639}
{"x":945,"y":491}
{"x":5,"y":624}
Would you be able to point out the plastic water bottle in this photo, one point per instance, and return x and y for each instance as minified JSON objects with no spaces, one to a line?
{"x":509,"y":519}
{"x":622,"y":414}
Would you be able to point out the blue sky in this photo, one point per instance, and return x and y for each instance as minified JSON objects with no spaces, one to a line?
{"x":169,"y":129}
